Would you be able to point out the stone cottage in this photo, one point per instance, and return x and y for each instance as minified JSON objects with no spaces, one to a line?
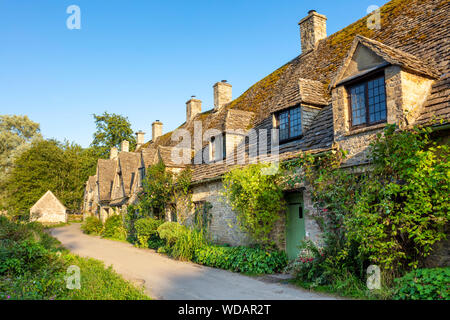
{"x":339,"y":92}
{"x":48,"y":209}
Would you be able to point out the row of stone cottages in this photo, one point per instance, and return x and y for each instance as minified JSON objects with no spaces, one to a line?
{"x":339,"y":92}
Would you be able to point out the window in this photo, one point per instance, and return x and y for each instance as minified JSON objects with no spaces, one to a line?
{"x":367,"y":102}
{"x":215,"y":146}
{"x":201,"y":216}
{"x":290,"y":124}
{"x":141,"y":176}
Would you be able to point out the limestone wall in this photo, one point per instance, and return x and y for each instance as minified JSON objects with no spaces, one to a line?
{"x":223,"y":226}
{"x":223,"y":220}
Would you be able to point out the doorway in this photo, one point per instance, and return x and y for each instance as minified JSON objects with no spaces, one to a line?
{"x":295,"y":224}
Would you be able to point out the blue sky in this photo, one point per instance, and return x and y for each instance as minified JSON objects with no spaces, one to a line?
{"x":143,"y":59}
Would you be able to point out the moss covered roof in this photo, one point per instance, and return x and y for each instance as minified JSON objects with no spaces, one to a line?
{"x":417,"y":28}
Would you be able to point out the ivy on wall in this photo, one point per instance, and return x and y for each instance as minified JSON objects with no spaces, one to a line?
{"x":257,"y":198}
{"x":163,"y":189}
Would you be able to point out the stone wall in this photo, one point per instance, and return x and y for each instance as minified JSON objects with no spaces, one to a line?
{"x":312,"y":229}
{"x":440,"y":256}
{"x":223,"y":228}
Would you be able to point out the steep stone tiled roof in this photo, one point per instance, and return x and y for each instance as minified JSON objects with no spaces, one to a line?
{"x":437,"y":106}
{"x":129,"y":163}
{"x":237,"y":119}
{"x":106,"y":169}
{"x":47,"y":199}
{"x":165,"y":155}
{"x":413,"y":34}
{"x":148,"y":156}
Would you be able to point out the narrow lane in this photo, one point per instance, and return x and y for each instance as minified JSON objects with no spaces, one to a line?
{"x":168,"y":279}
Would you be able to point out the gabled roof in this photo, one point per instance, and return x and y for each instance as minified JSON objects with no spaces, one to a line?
{"x":129,"y":164}
{"x":106,"y":169}
{"x":305,"y":91}
{"x":390,"y":55}
{"x":49,"y":196}
{"x":92,"y":182}
{"x":148,"y":156}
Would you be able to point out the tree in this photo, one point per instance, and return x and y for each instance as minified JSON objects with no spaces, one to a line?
{"x":16,"y":133}
{"x":49,"y":165}
{"x":157,"y":190}
{"x":112,"y":129}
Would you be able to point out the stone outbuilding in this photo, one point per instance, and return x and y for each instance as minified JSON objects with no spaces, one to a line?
{"x":48,"y":209}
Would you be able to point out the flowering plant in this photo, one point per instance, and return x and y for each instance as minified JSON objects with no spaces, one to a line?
{"x":309,"y":266}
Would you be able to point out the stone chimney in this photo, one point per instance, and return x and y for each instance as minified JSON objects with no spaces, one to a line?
{"x":222,"y":94}
{"x":114,"y":153}
{"x":313,"y":28}
{"x":124,"y":146}
{"x":157,"y":129}
{"x":140,"y":138}
{"x":193,"y":107}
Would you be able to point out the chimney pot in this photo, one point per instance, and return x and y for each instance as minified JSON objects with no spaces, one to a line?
{"x":313,"y":28}
{"x":157,"y":129}
{"x":222,"y":94}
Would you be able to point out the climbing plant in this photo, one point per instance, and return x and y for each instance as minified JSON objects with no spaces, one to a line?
{"x":402,"y":210}
{"x":257,"y":198}
{"x":391,"y":214}
{"x":161,"y":189}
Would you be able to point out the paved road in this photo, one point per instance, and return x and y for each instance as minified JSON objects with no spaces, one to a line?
{"x":165,"y":278}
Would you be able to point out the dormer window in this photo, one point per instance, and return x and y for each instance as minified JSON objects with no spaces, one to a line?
{"x":367,"y":101}
{"x":218,"y":148}
{"x":290,"y":123}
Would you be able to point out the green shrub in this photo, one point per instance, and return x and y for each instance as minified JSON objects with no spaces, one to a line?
{"x":146,"y":229}
{"x":114,"y":228}
{"x":33,"y":266}
{"x":155,"y":242}
{"x":189,"y":240}
{"x":92,"y":225}
{"x":242,"y":259}
{"x":424,"y":284}
{"x":170,"y":231}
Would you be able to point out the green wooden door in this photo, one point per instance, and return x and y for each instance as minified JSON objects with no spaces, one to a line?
{"x":295,"y":228}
